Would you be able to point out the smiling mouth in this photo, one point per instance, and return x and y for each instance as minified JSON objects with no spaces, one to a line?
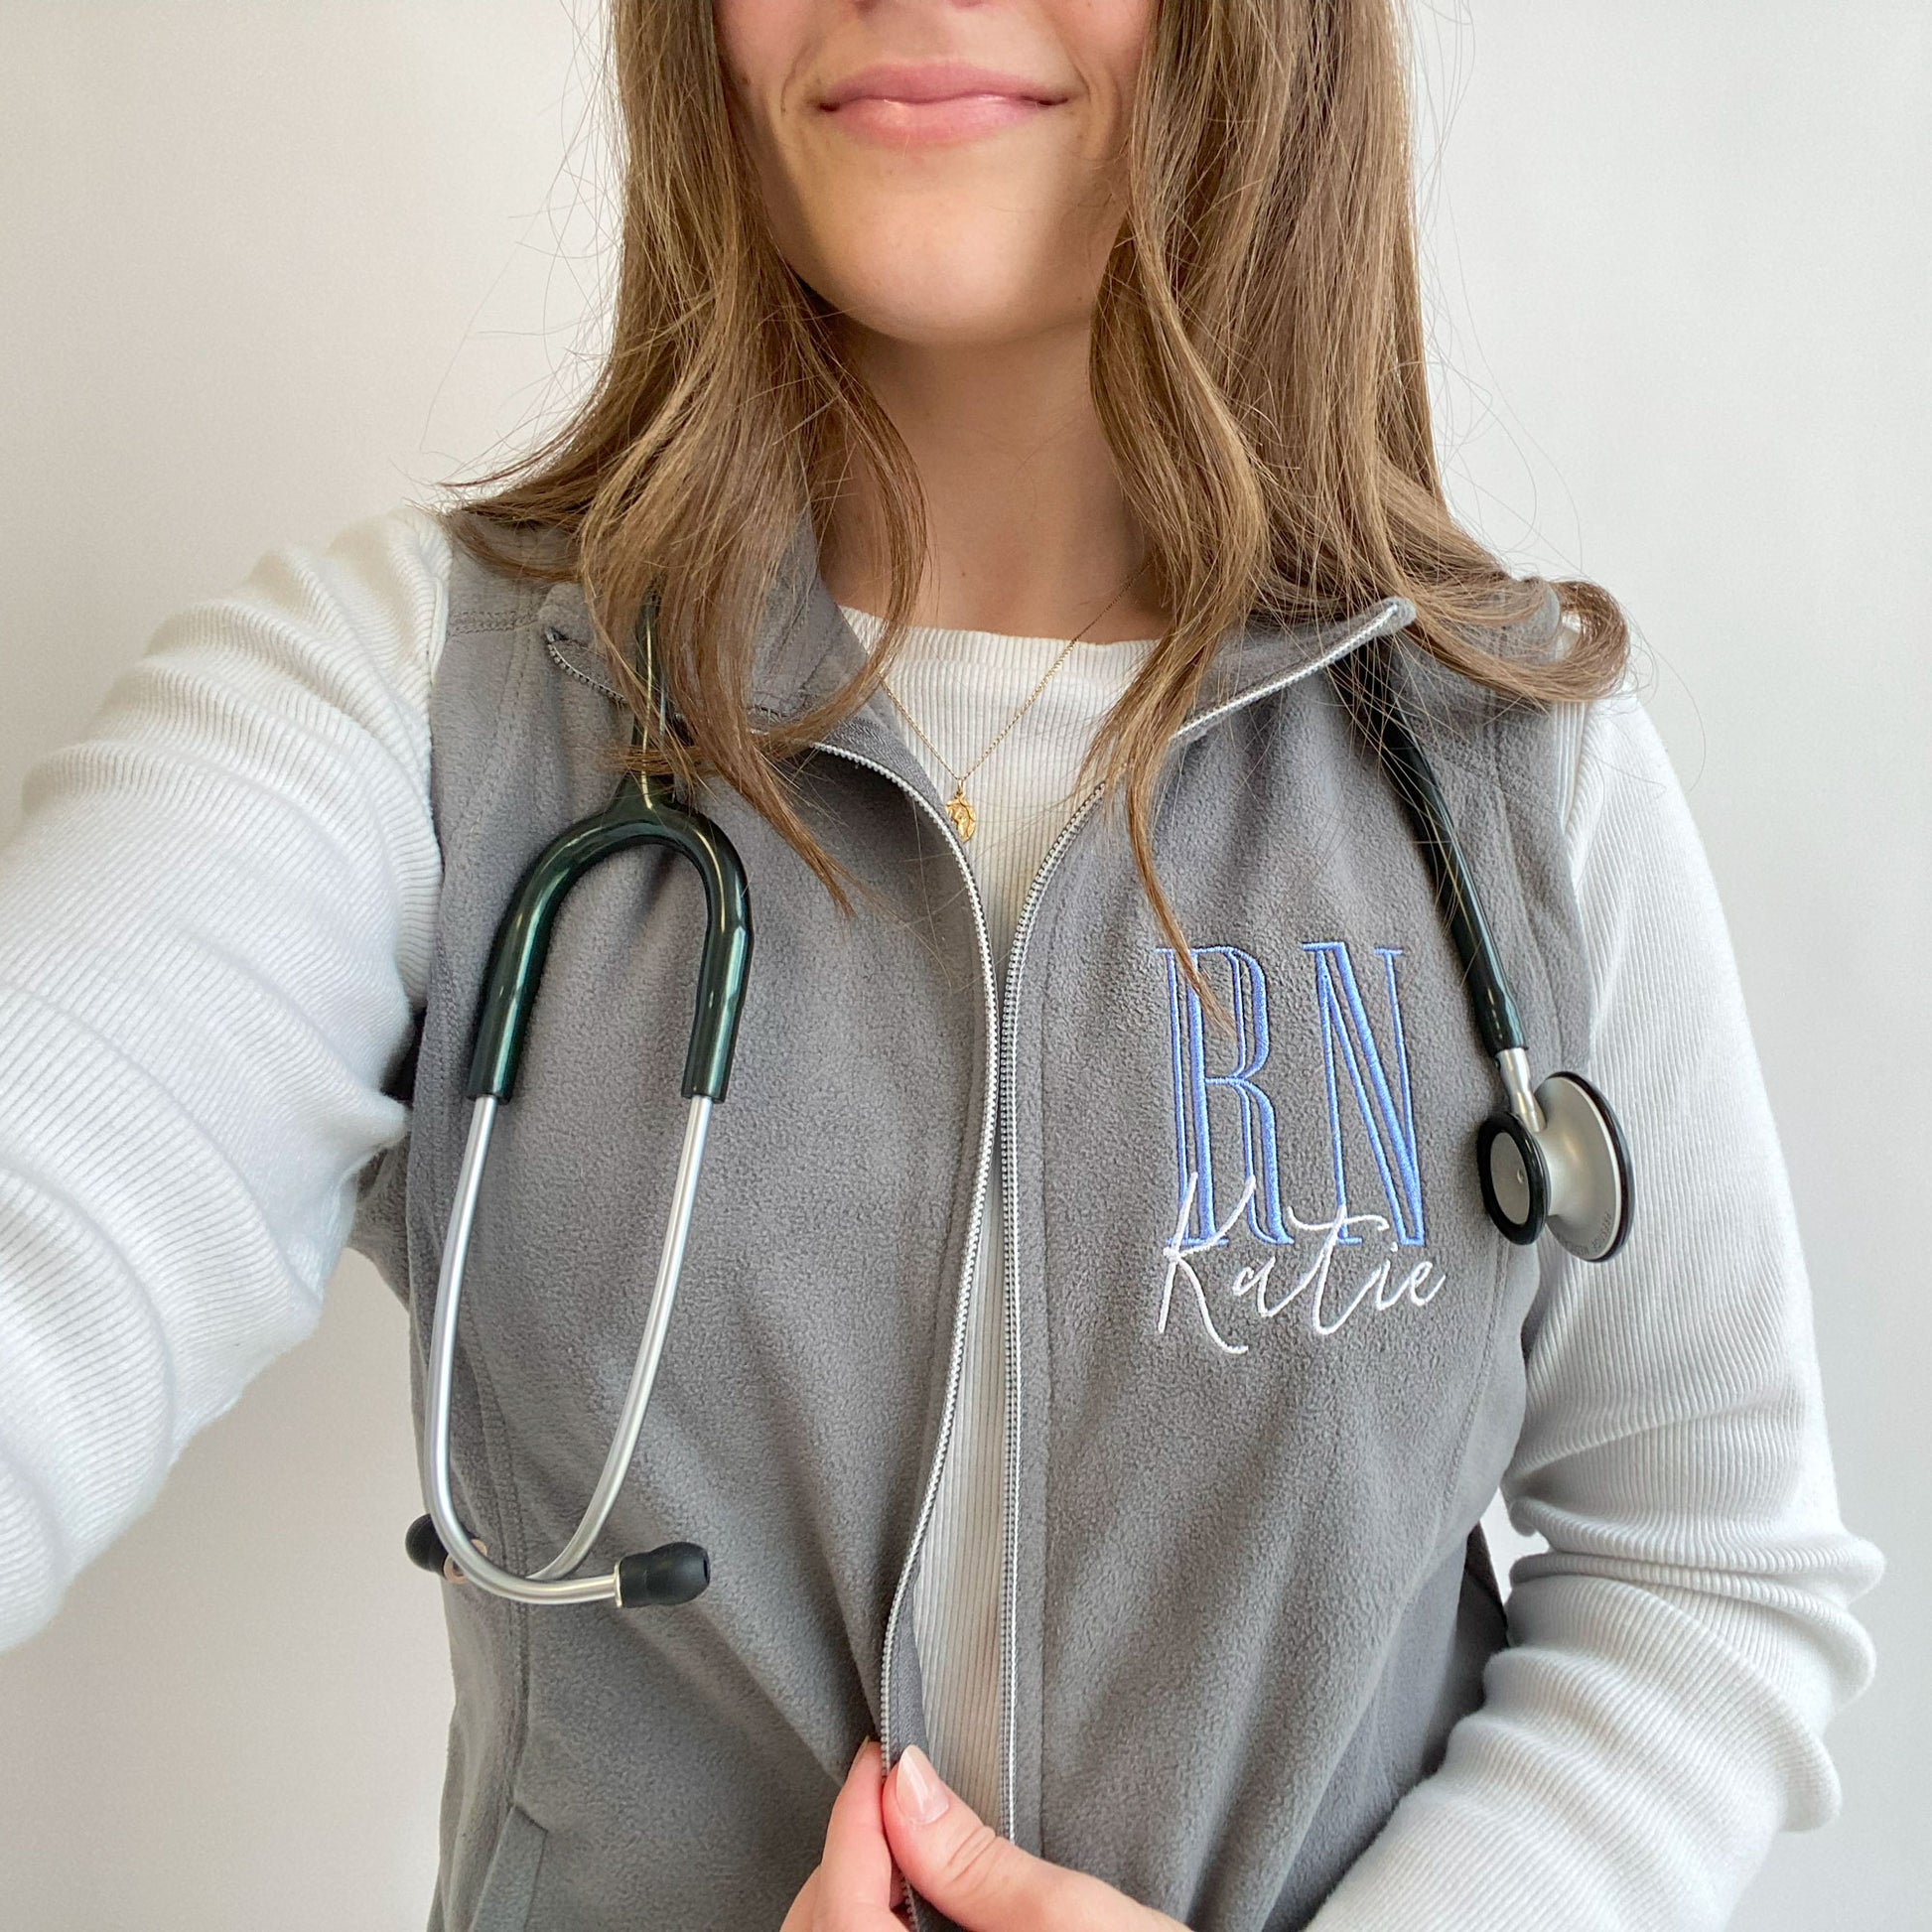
{"x":919,"y":82}
{"x":897,"y":121}
{"x":905,"y":103}
{"x":925,"y":97}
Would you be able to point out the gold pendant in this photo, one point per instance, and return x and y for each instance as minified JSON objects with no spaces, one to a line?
{"x":963,"y":817}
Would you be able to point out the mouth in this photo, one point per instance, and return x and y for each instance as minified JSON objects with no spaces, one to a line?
{"x":900,"y":104}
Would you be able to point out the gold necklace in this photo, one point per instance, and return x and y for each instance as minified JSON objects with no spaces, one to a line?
{"x":958,"y":807}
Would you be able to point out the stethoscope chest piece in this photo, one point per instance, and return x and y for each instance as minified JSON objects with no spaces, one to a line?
{"x":1571,"y":1174}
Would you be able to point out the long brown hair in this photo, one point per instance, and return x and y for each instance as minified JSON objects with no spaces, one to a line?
{"x":1256,"y":363}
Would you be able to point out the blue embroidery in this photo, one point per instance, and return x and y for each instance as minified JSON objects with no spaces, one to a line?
{"x":1391,"y":1129}
{"x":1380,"y":1084}
{"x":1193,"y":1146}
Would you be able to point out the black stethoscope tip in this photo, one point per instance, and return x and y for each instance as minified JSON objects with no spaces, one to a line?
{"x":424,"y":1546}
{"x":673,"y":1572}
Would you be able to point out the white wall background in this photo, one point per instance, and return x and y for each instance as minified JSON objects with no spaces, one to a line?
{"x":265,"y":269}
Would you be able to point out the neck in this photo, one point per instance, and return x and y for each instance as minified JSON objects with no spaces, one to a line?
{"x":1028,"y":529}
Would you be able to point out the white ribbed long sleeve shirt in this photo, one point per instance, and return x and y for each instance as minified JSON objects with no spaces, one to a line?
{"x":216,"y":920}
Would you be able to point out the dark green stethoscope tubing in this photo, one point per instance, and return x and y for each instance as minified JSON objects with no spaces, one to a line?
{"x":522,"y":942}
{"x":1370,"y":681}
{"x":645,"y":811}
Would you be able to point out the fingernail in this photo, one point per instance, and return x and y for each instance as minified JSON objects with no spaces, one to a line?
{"x":924,"y":1797}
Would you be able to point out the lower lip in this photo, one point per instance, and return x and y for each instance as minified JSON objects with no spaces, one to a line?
{"x":907,"y":123}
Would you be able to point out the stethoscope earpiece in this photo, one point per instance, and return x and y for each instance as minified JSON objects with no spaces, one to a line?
{"x":425,"y":1546}
{"x":673,"y":1572}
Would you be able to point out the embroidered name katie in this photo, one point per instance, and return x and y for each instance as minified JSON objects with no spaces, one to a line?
{"x":1379,"y":1084}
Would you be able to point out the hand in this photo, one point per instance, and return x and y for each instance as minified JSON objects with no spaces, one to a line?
{"x":981,"y":1881}
{"x":854,"y":1888}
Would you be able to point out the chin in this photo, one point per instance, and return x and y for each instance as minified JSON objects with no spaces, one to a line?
{"x":941,"y":295}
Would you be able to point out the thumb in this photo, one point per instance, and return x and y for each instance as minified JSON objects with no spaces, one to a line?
{"x":980,"y":1882}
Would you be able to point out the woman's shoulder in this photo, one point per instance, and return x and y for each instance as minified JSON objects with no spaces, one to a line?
{"x":1610,"y":761}
{"x":1560,"y":757}
{"x":331,"y":642}
{"x":351,"y":618}
{"x":374,"y":559}
{"x":380,"y":582}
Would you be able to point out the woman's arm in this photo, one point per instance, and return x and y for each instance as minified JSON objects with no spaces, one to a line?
{"x":216,"y":921}
{"x":1676,"y":1654}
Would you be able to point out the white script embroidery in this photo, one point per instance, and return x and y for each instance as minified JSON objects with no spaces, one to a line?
{"x":1377,"y":1288}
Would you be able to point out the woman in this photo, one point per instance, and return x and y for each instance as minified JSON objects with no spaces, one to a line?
{"x":1094,"y":1352}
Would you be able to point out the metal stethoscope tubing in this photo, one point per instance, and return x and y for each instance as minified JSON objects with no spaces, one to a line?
{"x":543,"y":1585}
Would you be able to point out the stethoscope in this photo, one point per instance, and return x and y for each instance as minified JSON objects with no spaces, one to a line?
{"x":1553,"y":1158}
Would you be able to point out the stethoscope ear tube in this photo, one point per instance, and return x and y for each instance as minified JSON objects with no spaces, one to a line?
{"x":1367,"y":680}
{"x":672,"y":1574}
{"x":726,"y":963}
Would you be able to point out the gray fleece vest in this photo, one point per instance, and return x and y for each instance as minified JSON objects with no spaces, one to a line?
{"x":1266,"y":1351}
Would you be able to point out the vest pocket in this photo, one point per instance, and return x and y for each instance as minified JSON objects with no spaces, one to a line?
{"x":509,"y":1886}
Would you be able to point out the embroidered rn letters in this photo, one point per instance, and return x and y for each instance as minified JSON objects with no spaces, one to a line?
{"x":1355,"y":1062}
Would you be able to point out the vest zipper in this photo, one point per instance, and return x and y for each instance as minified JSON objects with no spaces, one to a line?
{"x":1010,"y":1559}
{"x":1002,"y":1057}
{"x":963,"y":1304}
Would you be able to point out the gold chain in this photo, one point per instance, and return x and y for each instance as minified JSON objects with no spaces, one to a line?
{"x":958,"y":808}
